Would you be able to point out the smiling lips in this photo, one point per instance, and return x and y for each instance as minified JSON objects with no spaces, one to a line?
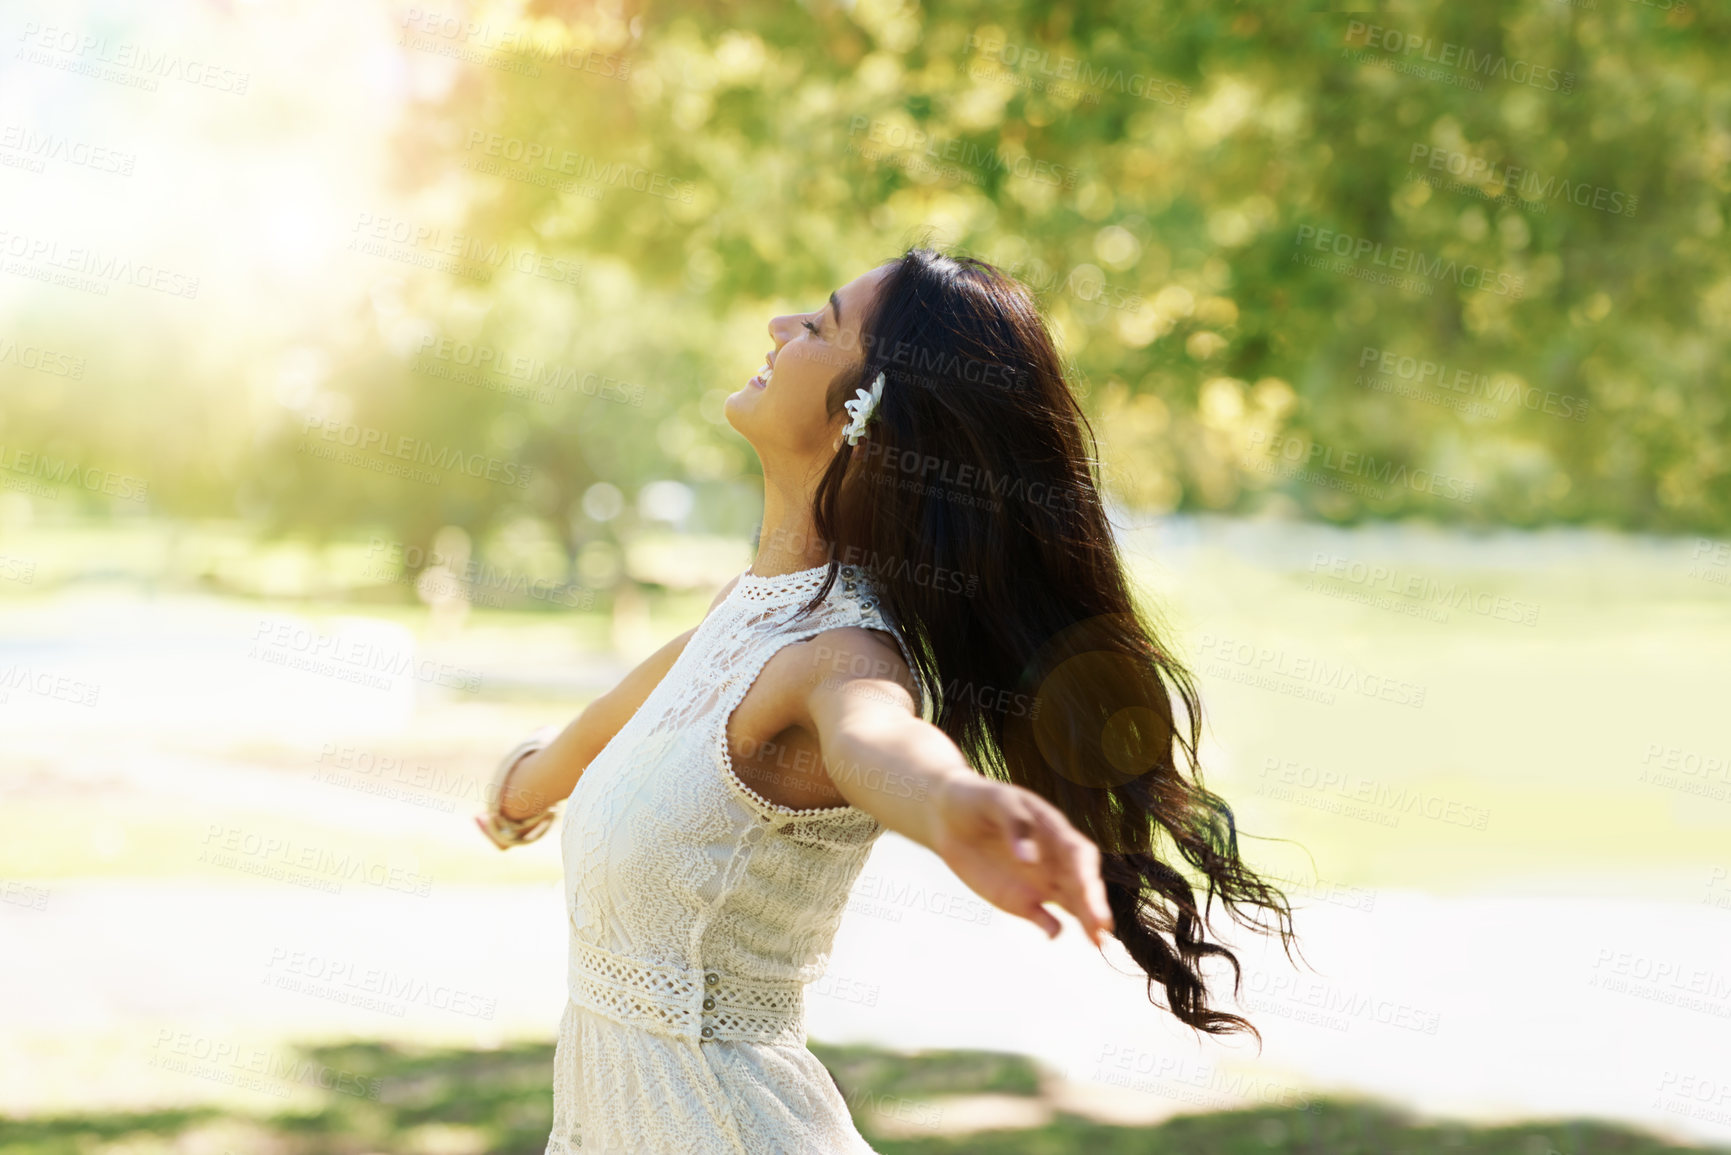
{"x":761,"y":380}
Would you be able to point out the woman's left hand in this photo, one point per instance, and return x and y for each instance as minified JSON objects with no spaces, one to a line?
{"x":1017,"y":851}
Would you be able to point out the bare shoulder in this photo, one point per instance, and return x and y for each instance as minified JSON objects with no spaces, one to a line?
{"x":831,"y":661}
{"x":850,"y":657}
{"x":806,"y":689}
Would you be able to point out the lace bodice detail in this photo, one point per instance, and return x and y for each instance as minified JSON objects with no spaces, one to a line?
{"x":699,"y":910}
{"x":672,"y":862}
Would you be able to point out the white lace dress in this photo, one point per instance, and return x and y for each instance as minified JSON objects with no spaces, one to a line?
{"x":699,"y":910}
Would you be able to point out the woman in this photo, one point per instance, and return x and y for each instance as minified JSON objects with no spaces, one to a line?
{"x":936,"y":638}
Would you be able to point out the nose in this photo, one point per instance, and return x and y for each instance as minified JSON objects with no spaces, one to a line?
{"x":781,"y":329}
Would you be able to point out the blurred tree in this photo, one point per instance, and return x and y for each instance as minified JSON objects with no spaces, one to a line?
{"x":1438,"y":261}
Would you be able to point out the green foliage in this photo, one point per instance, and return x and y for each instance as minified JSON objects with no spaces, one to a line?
{"x":1162,"y":229}
{"x":1173,"y":180}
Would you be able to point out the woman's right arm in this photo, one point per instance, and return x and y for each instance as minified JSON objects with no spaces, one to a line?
{"x":550,"y":774}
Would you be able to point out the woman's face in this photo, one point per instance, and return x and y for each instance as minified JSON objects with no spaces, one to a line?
{"x":782,"y":411}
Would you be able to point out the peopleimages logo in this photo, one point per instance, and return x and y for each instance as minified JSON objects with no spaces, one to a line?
{"x":1377,"y":795}
{"x":1398,"y":258}
{"x":1293,"y":456}
{"x":67,"y":471}
{"x":1056,"y":70}
{"x":539,"y":378}
{"x":43,"y":360}
{"x":1422,"y":372}
{"x":463,"y":254}
{"x":363,"y":439}
{"x":1413,"y":593}
{"x":39,"y":147}
{"x":982,"y":158}
{"x":476,"y":41}
{"x":86,"y":269}
{"x":1407,"y":45}
{"x":1524,"y":183}
{"x":1302,"y":670}
{"x":124,"y":61}
{"x":554,"y":159}
{"x":950,"y":477}
{"x":352,"y":659}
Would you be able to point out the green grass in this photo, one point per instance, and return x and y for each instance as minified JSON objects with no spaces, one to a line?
{"x":439,"y":1101}
{"x":1335,"y":1127}
{"x":869,"y":1071}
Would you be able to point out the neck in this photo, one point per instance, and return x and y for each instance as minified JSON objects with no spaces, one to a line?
{"x":788,"y":541}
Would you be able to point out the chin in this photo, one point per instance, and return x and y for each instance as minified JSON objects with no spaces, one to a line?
{"x":737,"y":409}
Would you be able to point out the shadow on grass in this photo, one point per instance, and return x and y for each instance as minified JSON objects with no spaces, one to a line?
{"x":406,"y":1100}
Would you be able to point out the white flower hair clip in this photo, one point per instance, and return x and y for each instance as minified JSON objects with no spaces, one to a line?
{"x":861,"y":408}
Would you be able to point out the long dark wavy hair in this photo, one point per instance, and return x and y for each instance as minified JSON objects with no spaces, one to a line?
{"x":973,"y":502}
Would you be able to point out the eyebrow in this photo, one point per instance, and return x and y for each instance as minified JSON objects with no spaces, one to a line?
{"x":835,"y":304}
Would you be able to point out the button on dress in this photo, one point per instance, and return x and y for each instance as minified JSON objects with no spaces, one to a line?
{"x":699,"y":911}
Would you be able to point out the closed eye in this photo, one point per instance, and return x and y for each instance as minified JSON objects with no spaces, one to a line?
{"x":810,"y":326}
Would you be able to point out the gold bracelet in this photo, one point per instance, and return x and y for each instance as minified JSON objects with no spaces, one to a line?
{"x":506,"y":832}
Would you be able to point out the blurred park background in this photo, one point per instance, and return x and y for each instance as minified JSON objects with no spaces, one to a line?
{"x":361,"y":370}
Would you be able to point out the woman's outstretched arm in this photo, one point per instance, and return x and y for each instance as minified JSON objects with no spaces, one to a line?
{"x":1011,"y":846}
{"x":550,"y":774}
